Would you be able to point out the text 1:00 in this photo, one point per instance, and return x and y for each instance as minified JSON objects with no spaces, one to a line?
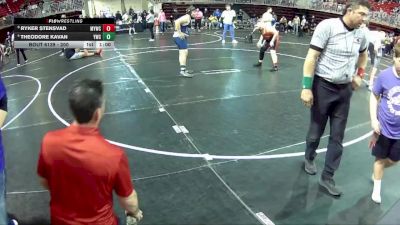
{"x":102,"y":44}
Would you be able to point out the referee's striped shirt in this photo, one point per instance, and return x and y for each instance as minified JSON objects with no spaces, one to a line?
{"x":340,"y":47}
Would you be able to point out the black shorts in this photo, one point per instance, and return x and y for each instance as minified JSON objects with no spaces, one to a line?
{"x":387,"y":148}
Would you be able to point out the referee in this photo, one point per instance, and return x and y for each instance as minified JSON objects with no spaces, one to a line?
{"x":337,"y":48}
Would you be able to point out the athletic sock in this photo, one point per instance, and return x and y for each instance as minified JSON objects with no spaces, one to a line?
{"x":376,"y":193}
{"x":183,"y":68}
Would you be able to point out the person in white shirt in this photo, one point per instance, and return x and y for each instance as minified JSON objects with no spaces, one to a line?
{"x":302,"y":26}
{"x":267,"y":17}
{"x":227,"y":18}
{"x":125,"y":18}
{"x":296,"y":25}
{"x":150,"y":24}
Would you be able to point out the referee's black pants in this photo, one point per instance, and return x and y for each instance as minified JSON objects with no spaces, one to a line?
{"x":197,"y":24}
{"x":18,"y":50}
{"x":151,"y":29}
{"x":331,"y":101}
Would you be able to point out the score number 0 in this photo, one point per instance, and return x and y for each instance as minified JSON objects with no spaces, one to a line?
{"x":108,"y":28}
{"x":108,"y":32}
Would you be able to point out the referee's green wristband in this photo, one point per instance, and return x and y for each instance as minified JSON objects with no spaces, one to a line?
{"x":307,"y":82}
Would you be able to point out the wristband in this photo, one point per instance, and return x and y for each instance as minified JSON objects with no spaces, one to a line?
{"x":360,"y":72}
{"x":307,"y":82}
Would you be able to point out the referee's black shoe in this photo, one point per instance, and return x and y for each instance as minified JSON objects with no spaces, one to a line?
{"x":310,"y":167}
{"x":258,"y":64}
{"x":329,"y":185}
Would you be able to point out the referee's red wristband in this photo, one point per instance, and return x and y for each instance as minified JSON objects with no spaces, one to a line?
{"x":360,"y":72}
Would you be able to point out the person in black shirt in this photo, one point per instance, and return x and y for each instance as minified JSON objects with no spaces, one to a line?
{"x":240,"y":15}
{"x":118,"y":16}
{"x":134,"y":17}
{"x":174,"y":16}
{"x":144,"y":22}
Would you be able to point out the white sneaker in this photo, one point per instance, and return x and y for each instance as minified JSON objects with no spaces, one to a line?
{"x":376,"y":198}
{"x":223,"y":41}
{"x":18,"y":65}
{"x":62,"y":54}
{"x":151,"y":40}
{"x":234,"y":42}
{"x":14,"y":222}
{"x":26,"y":61}
{"x":131,"y":220}
{"x":186,"y":74}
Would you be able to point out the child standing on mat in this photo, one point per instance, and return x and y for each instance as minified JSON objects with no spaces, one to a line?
{"x":385,"y":121}
{"x":269,"y":39}
{"x":180,"y":38}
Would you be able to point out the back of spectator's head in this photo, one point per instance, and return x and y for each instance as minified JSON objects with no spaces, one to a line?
{"x":86,"y":101}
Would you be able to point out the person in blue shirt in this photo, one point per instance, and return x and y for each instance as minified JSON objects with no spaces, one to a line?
{"x":217,"y":13}
{"x":3,"y":113}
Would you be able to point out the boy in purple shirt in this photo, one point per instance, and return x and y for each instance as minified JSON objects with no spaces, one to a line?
{"x":385,"y":120}
{"x":3,"y":113}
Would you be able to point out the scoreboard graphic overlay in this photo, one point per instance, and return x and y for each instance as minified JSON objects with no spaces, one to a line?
{"x":64,"y":33}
